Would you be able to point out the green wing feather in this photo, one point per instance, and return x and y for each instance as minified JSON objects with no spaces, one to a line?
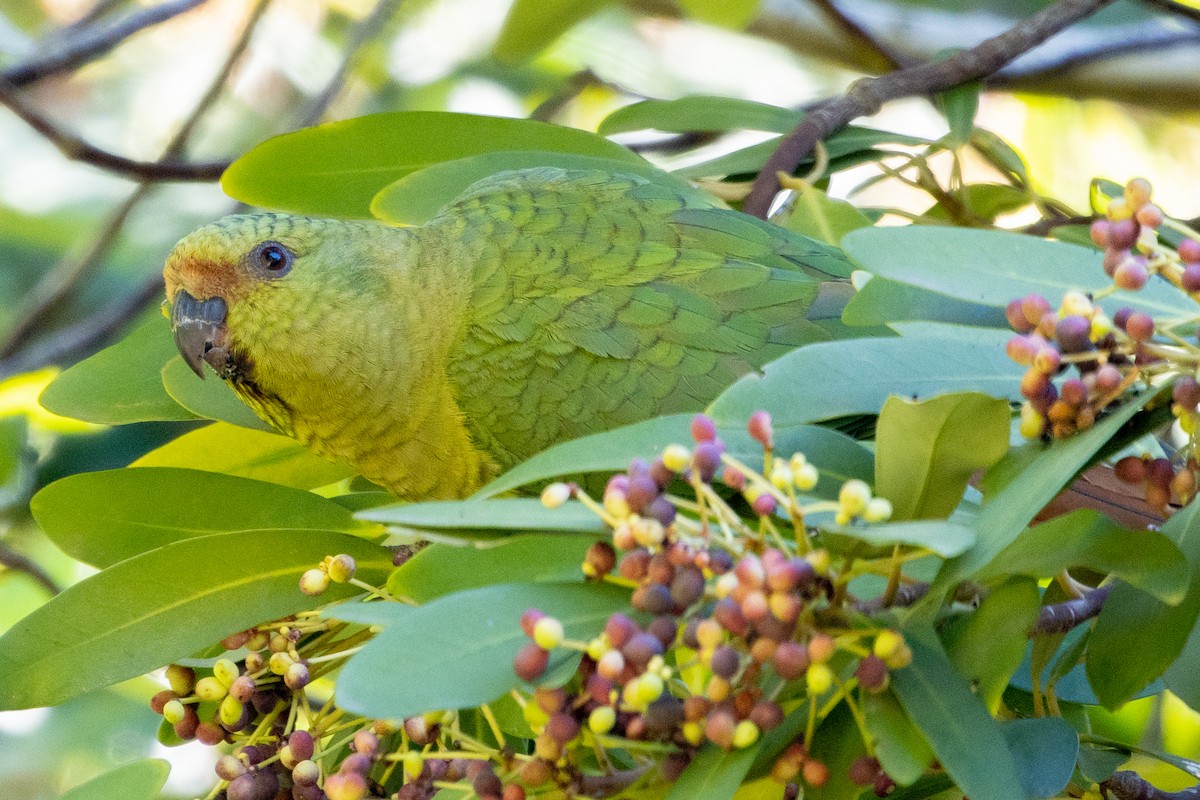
{"x":603,"y":299}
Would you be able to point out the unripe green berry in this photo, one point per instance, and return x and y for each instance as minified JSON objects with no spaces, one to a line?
{"x":342,"y":568}
{"x":306,"y":773}
{"x":745,"y":734}
{"x":280,"y":662}
{"x":210,"y":689}
{"x":181,"y":679}
{"x":819,"y":679}
{"x":314,"y":582}
{"x":676,"y":457}
{"x":226,"y":671}
{"x":230,"y":711}
{"x":173,"y":711}
{"x":854,"y":497}
{"x":556,"y":494}
{"x":602,"y":719}
{"x":548,"y":633}
{"x":413,"y":763}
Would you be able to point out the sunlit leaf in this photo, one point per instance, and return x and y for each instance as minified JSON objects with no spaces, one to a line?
{"x":531,"y":25}
{"x":210,"y":398}
{"x":138,"y":780}
{"x":700,"y":113}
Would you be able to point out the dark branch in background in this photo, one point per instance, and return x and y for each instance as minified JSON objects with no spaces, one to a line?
{"x":1062,"y":617}
{"x":1126,"y":785}
{"x":1172,"y":7}
{"x":83,"y":44}
{"x":77,"y":149}
{"x":68,"y":273}
{"x":858,"y":33}
{"x":868,"y":95}
{"x":20,"y":563}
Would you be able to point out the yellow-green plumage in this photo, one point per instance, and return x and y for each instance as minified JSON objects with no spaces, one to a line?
{"x":538,"y":306}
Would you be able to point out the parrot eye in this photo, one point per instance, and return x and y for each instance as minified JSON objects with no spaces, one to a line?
{"x":272,"y":258}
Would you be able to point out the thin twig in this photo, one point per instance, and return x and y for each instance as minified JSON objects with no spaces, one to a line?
{"x":1127,"y":785}
{"x":1062,"y":617}
{"x":86,"y":44}
{"x":19,"y":562}
{"x":856,"y":32}
{"x":868,"y":95}
{"x":67,"y":274}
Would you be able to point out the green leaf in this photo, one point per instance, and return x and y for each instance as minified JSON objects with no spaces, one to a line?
{"x":850,"y":141}
{"x":837,"y":743}
{"x":855,"y":376}
{"x":419,"y":196}
{"x":817,"y":215}
{"x":999,"y":153}
{"x":992,"y":267}
{"x":138,"y":780}
{"x":442,"y":569}
{"x":947,"y":539}
{"x":986,"y":647}
{"x":964,"y":737}
{"x":1087,"y":538}
{"x":336,"y":169}
{"x":959,"y":105}
{"x":247,"y":453}
{"x":1181,"y":677}
{"x":467,"y":642}
{"x":101,"y":518}
{"x":18,"y":461}
{"x":985,"y":201}
{"x":1045,"y":751}
{"x":210,"y":398}
{"x":1098,"y":762}
{"x":714,"y":774}
{"x":837,"y":456}
{"x":531,"y":25}
{"x":120,"y":384}
{"x":927,"y":451}
{"x":507,"y":515}
{"x":1138,"y":636}
{"x":901,"y":749}
{"x":165,"y":604}
{"x":736,"y":14}
{"x":700,"y":113}
{"x":1034,"y":476}
{"x":881,"y":301}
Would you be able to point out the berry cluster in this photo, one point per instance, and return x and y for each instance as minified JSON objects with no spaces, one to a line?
{"x":743,"y":626}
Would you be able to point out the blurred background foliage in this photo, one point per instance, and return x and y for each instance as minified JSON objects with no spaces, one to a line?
{"x":204,"y":80}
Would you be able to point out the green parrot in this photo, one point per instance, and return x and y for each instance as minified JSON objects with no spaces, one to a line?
{"x":538,"y":306}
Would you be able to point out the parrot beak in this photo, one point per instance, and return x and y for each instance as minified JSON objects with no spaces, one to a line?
{"x":199,"y":327}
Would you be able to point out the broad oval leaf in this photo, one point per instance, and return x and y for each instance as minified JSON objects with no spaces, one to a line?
{"x":856,"y":376}
{"x":714,"y":774}
{"x":210,"y":398}
{"x":419,"y":196}
{"x":1087,"y":538}
{"x":882,"y":301}
{"x":507,"y":515}
{"x":531,"y":25}
{"x":926,"y":451}
{"x":247,"y":453}
{"x":947,"y":539}
{"x":700,"y":113}
{"x":101,"y":518}
{"x":139,"y":780}
{"x":336,"y":169}
{"x":164,"y":605}
{"x":457,"y":651}
{"x":993,"y":267}
{"x":901,"y":749}
{"x":120,"y":384}
{"x":1045,"y":751}
{"x":442,"y":569}
{"x":964,"y":737}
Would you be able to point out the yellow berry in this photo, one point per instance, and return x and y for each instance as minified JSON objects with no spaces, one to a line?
{"x":535,"y":717}
{"x":554,"y":495}
{"x":210,"y":689}
{"x":676,"y":457}
{"x":818,"y":678}
{"x":230,"y":710}
{"x":854,"y":496}
{"x":887,"y":643}
{"x":1033,"y":424}
{"x":1076,"y":303}
{"x":226,"y":671}
{"x":878,"y":510}
{"x":745,"y":734}
{"x":173,"y":711}
{"x":602,"y":719}
{"x":693,"y":733}
{"x":413,"y":763}
{"x":548,"y":633}
{"x":806,"y":477}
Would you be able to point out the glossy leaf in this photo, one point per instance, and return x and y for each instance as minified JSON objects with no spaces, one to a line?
{"x":1045,"y":751}
{"x":1138,"y":636}
{"x":419,"y":196}
{"x":959,"y":106}
{"x":337,"y":168}
{"x":856,"y":376}
{"x":120,"y":384}
{"x":104,"y":517}
{"x":900,"y":747}
{"x":1086,"y":538}
{"x":164,"y":605}
{"x":713,"y":774}
{"x":467,"y":641}
{"x":986,"y":647}
{"x":1023,"y":482}
{"x":531,"y":25}
{"x":508,"y":515}
{"x":819,"y":216}
{"x":138,"y":780}
{"x":441,"y":569}
{"x":210,"y":398}
{"x":946,"y":539}
{"x":964,"y":737}
{"x":882,"y":301}
{"x":700,"y":113}
{"x":927,"y":451}
{"x":993,"y":267}
{"x":234,"y":450}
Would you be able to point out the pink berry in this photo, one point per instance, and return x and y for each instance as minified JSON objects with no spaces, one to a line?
{"x":1099,"y":232}
{"x":1189,"y":251}
{"x":759,"y":427}
{"x":1131,"y":274}
{"x":703,"y":428}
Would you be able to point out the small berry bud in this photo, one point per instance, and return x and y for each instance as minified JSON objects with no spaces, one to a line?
{"x":676,"y":457}
{"x":342,"y":568}
{"x":818,"y":679}
{"x":602,"y":719}
{"x":745,"y":734}
{"x":760,"y":429}
{"x":854,"y":497}
{"x":703,"y":428}
{"x":554,"y":495}
{"x":530,"y":662}
{"x":548,"y":633}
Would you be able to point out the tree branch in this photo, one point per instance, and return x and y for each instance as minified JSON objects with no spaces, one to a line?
{"x":84,"y":45}
{"x":1062,"y":617}
{"x":1126,"y":785}
{"x":868,"y":95}
{"x":19,"y":562}
{"x":858,"y":33}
